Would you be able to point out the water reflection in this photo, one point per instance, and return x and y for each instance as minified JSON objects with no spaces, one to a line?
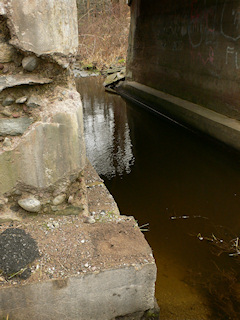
{"x":182,"y":186}
{"x":107,"y":133}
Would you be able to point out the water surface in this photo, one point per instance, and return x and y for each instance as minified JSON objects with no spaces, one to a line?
{"x":185,"y":187}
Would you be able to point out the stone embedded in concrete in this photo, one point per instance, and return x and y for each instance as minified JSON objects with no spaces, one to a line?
{"x":59,"y":199}
{"x":7,"y":142}
{"x":6,"y":113}
{"x":44,"y":26}
{"x":102,"y":296}
{"x":2,"y":9}
{"x":14,"y":127}
{"x":10,"y":81}
{"x":8,"y":101}
{"x":16,"y":115}
{"x":30,"y":204}
{"x":21,"y":100}
{"x":70,"y":199}
{"x":90,"y":220}
{"x":29,"y":63}
{"x":6,"y":52}
{"x":34,"y":102}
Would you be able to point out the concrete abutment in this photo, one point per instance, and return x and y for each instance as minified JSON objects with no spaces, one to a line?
{"x":188,"y":50}
{"x":56,"y":260}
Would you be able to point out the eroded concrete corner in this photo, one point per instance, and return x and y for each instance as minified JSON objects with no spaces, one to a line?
{"x":42,"y":149}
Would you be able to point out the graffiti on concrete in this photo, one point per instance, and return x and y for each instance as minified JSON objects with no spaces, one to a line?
{"x":230,"y":20}
{"x":172,"y":32}
{"x":232,"y":57}
{"x":201,"y":28}
{"x":204,"y":58}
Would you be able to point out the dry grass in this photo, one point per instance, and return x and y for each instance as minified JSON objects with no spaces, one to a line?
{"x":224,"y":293}
{"x":223,"y":286}
{"x":103,"y":37}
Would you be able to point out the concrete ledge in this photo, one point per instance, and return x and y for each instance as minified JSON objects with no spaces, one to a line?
{"x":213,"y":124}
{"x":86,"y":271}
{"x":104,"y":295}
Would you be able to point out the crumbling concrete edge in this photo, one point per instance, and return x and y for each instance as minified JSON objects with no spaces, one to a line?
{"x":96,"y":189}
{"x":220,"y":127}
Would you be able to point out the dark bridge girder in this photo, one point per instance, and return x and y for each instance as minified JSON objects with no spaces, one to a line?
{"x":184,"y":59}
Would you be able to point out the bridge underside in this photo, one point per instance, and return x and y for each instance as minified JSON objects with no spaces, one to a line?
{"x":189,"y":49}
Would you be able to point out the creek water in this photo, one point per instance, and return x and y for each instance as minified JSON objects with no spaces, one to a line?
{"x":186,"y":188}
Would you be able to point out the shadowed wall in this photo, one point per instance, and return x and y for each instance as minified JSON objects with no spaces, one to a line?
{"x":189,"y":49}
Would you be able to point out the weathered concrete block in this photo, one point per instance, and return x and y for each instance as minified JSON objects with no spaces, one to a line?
{"x":45,"y":26}
{"x":94,"y":271}
{"x":101,"y":296}
{"x":49,"y":151}
{"x":48,"y":155}
{"x":100,"y":271}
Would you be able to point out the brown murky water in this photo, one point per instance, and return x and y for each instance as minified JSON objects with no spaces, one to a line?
{"x":182,"y":186}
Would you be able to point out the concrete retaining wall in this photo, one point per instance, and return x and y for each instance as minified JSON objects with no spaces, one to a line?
{"x":191,"y":115}
{"x":189,"y":49}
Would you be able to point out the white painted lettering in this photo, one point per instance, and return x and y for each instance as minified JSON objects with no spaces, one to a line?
{"x":229,"y":51}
